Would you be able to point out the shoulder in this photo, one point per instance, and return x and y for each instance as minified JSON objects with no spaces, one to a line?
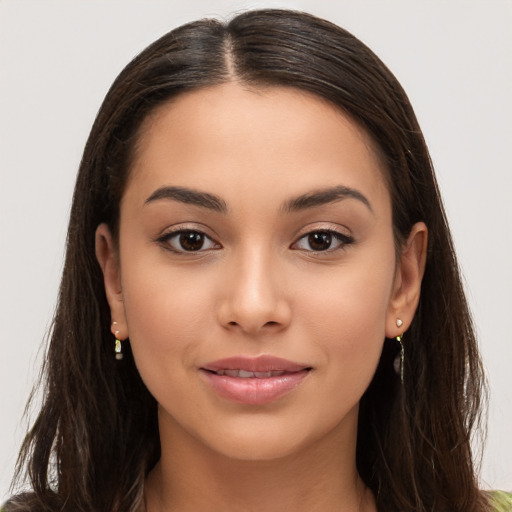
{"x":501,"y":501}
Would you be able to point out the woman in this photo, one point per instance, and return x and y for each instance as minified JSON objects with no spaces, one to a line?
{"x":260,"y":307}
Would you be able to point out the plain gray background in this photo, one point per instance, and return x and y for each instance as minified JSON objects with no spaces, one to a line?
{"x":58,"y":58}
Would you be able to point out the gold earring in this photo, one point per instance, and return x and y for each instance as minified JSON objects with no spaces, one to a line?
{"x":398,"y":363}
{"x":118,"y":349}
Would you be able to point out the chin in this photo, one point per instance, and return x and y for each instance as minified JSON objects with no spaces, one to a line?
{"x":258,"y":449}
{"x":266,"y":439}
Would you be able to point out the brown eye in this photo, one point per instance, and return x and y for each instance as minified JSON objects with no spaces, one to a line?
{"x":189,"y":240}
{"x":320,"y":241}
{"x":323,"y":240}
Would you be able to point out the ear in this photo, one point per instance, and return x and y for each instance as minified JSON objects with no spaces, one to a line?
{"x":407,"y":285}
{"x":108,"y":258}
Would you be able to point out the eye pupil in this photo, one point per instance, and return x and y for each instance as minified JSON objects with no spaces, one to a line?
{"x":320,"y":241}
{"x":191,"y":240}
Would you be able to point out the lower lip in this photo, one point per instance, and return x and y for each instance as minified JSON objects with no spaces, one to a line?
{"x":254,"y":391}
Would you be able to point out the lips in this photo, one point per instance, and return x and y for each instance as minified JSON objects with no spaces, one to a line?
{"x":254,"y":381}
{"x":243,"y":374}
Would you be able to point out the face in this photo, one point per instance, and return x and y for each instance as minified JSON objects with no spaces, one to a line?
{"x":256,"y":274}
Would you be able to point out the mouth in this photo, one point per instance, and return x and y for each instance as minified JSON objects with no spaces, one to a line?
{"x":254,"y":381}
{"x":244,"y":374}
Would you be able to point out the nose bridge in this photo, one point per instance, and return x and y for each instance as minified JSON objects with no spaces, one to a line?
{"x":254,"y":293}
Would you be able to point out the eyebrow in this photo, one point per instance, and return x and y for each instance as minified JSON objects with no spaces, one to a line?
{"x":302,"y":202}
{"x":323,"y":197}
{"x":189,"y":196}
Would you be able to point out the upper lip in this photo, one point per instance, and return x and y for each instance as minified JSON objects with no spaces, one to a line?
{"x":263,"y":363}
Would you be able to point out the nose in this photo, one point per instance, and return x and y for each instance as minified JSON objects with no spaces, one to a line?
{"x":254,"y":296}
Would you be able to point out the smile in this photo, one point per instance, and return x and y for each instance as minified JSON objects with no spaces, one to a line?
{"x":254,"y":381}
{"x":244,"y":374}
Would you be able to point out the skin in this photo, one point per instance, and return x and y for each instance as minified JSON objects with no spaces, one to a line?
{"x":259,"y":287}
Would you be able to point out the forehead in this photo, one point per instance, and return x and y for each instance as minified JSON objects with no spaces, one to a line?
{"x":231,"y":138}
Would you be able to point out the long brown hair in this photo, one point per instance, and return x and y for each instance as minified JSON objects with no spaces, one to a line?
{"x":96,"y":436}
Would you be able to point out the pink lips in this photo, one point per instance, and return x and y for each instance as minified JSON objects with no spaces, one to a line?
{"x":254,"y":381}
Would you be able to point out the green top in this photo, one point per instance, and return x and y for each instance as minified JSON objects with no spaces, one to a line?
{"x":502,"y":501}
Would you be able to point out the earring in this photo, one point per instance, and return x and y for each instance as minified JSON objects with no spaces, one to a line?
{"x":118,"y":349}
{"x":398,"y":363}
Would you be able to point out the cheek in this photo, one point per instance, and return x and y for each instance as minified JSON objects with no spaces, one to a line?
{"x":345,"y":314}
{"x":167,"y":315}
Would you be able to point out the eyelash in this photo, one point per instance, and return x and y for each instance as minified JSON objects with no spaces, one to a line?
{"x":342,"y":239}
{"x":335,"y":236}
{"x":166,"y":240}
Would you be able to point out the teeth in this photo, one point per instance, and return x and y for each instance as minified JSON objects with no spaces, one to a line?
{"x":262,"y":375}
{"x":244,"y":374}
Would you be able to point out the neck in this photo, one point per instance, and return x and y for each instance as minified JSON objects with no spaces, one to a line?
{"x":190,"y":477}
